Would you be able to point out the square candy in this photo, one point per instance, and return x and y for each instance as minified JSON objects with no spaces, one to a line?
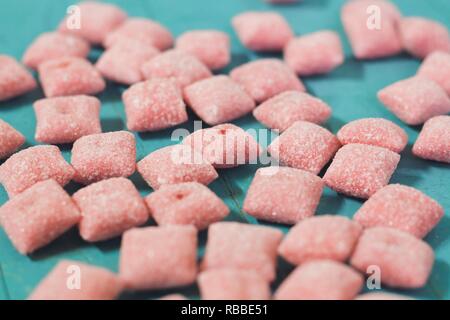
{"x":38,"y":216}
{"x":29,"y":166}
{"x":306,"y":146}
{"x":65,"y":119}
{"x":96,"y":20}
{"x":15,"y":80}
{"x":233,"y":284}
{"x":262,"y":31}
{"x":321,"y":280}
{"x":415,"y":100}
{"x":109,"y":208}
{"x":158,"y":257}
{"x":68,"y":76}
{"x":96,"y":283}
{"x":360,"y":170}
{"x":10,"y":139}
{"x":209,"y":46}
{"x":436,"y":67}
{"x":316,"y":53}
{"x":144,"y":31}
{"x":433,"y":142}
{"x":374,"y":131}
{"x":283,"y":195}
{"x":104,"y":155}
{"x":265,"y":78}
{"x":123,"y":61}
{"x":422,"y":36}
{"x":367,"y":39}
{"x":320,"y":237}
{"x":177,"y":65}
{"x":154,"y":105}
{"x":281,"y":111}
{"x":175,"y":164}
{"x":242,"y":246}
{"x":52,"y":45}
{"x":224,"y":145}
{"x":189,"y":203}
{"x":218,"y":99}
{"x":400,"y":207}
{"x":403,"y":260}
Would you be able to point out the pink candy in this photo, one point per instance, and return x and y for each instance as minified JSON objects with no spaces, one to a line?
{"x":178,"y":65}
{"x":109,"y":208}
{"x":283,"y":195}
{"x":15,"y":80}
{"x":123,"y":61}
{"x":306,"y":146}
{"x":281,"y":111}
{"x":95,"y":283}
{"x":218,"y":99}
{"x":265,"y":78}
{"x":53,"y":45}
{"x":224,"y":146}
{"x":175,"y":164}
{"x":158,"y":257}
{"x":65,"y":119}
{"x":321,"y":237}
{"x":374,"y":131}
{"x":400,"y":207}
{"x":10,"y":139}
{"x":315,"y":53}
{"x":403,"y":260}
{"x":188,"y":203}
{"x":433,"y":142}
{"x":154,"y":105}
{"x":233,"y":284}
{"x":415,"y":100}
{"x":262,"y":31}
{"x":37,"y":216}
{"x":29,"y":166}
{"x":209,"y":46}
{"x":242,"y":246}
{"x":321,"y":280}
{"x":104,"y":155}
{"x":144,"y":31}
{"x":69,"y":76}
{"x":360,"y":170}
{"x":422,"y":36}
{"x":436,"y":67}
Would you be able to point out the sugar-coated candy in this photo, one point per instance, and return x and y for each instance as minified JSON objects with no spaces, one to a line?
{"x":433,"y":142}
{"x":15,"y":80}
{"x":436,"y":67}
{"x":10,"y":139}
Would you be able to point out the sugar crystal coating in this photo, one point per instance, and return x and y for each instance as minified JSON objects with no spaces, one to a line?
{"x":175,"y":164}
{"x":415,"y":100}
{"x":360,"y":170}
{"x":262,"y":31}
{"x":233,"y":284}
{"x":433,"y":142}
{"x":109,"y":208}
{"x":29,"y":166}
{"x":15,"y":80}
{"x":65,"y":119}
{"x":10,"y":139}
{"x":403,"y":260}
{"x":96,"y":283}
{"x":374,"y":131}
{"x":321,"y":280}
{"x":316,"y":53}
{"x":52,"y":45}
{"x":436,"y":67}
{"x":104,"y":155}
{"x":242,"y":246}
{"x":188,"y":203}
{"x":320,"y":237}
{"x":306,"y":146}
{"x":38,"y":216}
{"x":158,"y":257}
{"x":218,"y":99}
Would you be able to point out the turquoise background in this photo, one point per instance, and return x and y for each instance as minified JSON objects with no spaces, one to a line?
{"x":350,"y":90}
